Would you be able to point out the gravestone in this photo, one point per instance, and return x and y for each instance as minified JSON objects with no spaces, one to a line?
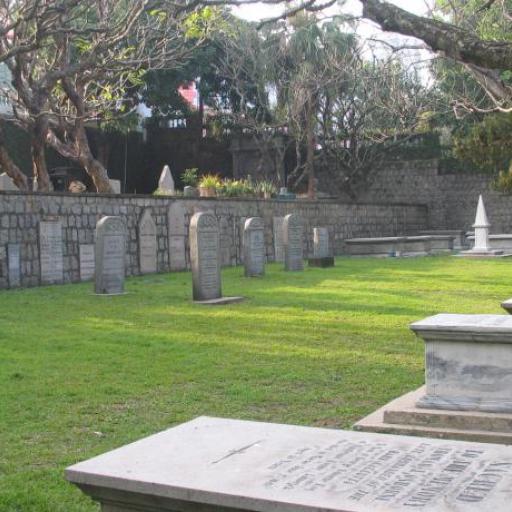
{"x":177,"y":235}
{"x":219,"y":465}
{"x":468,"y":382}
{"x":6,"y":182}
{"x":147,"y":243}
{"x":292,"y":240}
{"x":166,"y":182}
{"x":254,"y":247}
{"x":14,"y":265}
{"x":86,"y":257}
{"x":116,"y":186}
{"x":109,"y":256}
{"x":50,"y":252}
{"x":205,"y":260}
{"x":277,"y":229}
{"x":322,"y":256}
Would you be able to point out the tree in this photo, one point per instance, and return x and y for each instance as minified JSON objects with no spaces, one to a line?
{"x":72,"y":62}
{"x":487,"y":56}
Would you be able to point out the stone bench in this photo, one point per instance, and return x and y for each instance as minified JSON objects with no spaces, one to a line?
{"x":222,"y":465}
{"x":458,"y":235}
{"x":399,"y":245}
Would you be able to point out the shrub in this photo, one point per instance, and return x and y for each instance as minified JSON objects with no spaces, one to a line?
{"x":189,"y":177}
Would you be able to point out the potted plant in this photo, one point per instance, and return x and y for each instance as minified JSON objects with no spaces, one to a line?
{"x":266,"y":189}
{"x":208,"y":185}
{"x":189,"y":179}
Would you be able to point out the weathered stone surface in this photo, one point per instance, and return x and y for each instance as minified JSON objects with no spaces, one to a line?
{"x":468,"y":362}
{"x":254,"y":247}
{"x":459,"y":236}
{"x":177,"y":236}
{"x":6,"y":182}
{"x":212,"y":464}
{"x":86,"y":259}
{"x":110,"y":256}
{"x":166,"y":181}
{"x":205,"y":256}
{"x":321,"y":247}
{"x":147,"y":243}
{"x":293,"y":244}
{"x":277,"y":229}
{"x":51,"y":251}
{"x":402,"y":416}
{"x":14,"y":265}
{"x":116,"y":186}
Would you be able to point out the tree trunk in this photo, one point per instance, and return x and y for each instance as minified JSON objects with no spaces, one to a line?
{"x":40,"y":170}
{"x":310,"y":152}
{"x":11,"y":169}
{"x":92,"y":166}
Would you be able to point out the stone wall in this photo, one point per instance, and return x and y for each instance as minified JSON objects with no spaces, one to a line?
{"x":21,"y":214}
{"x":451,"y":198}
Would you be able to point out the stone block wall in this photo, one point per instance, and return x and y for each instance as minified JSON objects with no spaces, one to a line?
{"x":21,"y":213}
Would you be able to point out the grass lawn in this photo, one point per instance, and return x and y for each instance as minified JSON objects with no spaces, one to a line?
{"x":80,"y":374}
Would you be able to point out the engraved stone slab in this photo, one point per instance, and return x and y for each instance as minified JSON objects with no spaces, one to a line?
{"x":176,"y":232}
{"x":292,"y":239}
{"x":213,"y":464}
{"x":86,"y":256}
{"x":321,"y":243}
{"x":254,"y":247}
{"x":147,"y":243}
{"x":109,"y":256}
{"x":278,"y":238}
{"x":468,"y":362}
{"x":50,"y":251}
{"x":205,"y":256}
{"x":14,"y":265}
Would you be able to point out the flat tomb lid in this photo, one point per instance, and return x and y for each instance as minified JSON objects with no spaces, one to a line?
{"x":478,"y":324}
{"x":268,"y":467}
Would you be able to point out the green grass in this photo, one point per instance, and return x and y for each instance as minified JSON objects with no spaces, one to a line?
{"x":80,"y":374}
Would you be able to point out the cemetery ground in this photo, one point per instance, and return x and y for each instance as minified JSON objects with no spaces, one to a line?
{"x":82,"y":374}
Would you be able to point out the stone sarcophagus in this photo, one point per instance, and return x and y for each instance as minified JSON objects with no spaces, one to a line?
{"x":468,"y":362}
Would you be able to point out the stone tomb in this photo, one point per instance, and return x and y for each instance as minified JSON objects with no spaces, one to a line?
{"x":322,"y":255}
{"x":14,"y":265}
{"x":110,"y":256}
{"x":205,"y":260}
{"x":50,"y":251}
{"x":292,"y":239}
{"x":176,"y":234}
{"x":86,"y":260}
{"x":468,"y":382}
{"x":254,"y":247}
{"x":277,"y":229}
{"x":221,"y":465}
{"x":147,"y":243}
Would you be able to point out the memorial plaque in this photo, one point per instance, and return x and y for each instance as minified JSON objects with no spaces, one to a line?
{"x":147,"y":243}
{"x":321,"y":243}
{"x":254,"y":247}
{"x":176,"y":234}
{"x":205,"y":256}
{"x":109,"y":256}
{"x":216,"y":464}
{"x":278,"y":238}
{"x":14,"y":265}
{"x":292,"y":239}
{"x":50,"y":252}
{"x":86,"y":256}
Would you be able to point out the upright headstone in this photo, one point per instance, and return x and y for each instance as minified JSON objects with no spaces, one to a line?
{"x":6,"y":182}
{"x":116,"y":186}
{"x":50,"y":251}
{"x":177,"y":234}
{"x":322,"y":255}
{"x":109,"y":256}
{"x":147,"y":243}
{"x":14,"y":265}
{"x":205,"y":256}
{"x":166,"y":181}
{"x":86,"y":257}
{"x":254,"y":247}
{"x":278,"y":238}
{"x":292,"y":239}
